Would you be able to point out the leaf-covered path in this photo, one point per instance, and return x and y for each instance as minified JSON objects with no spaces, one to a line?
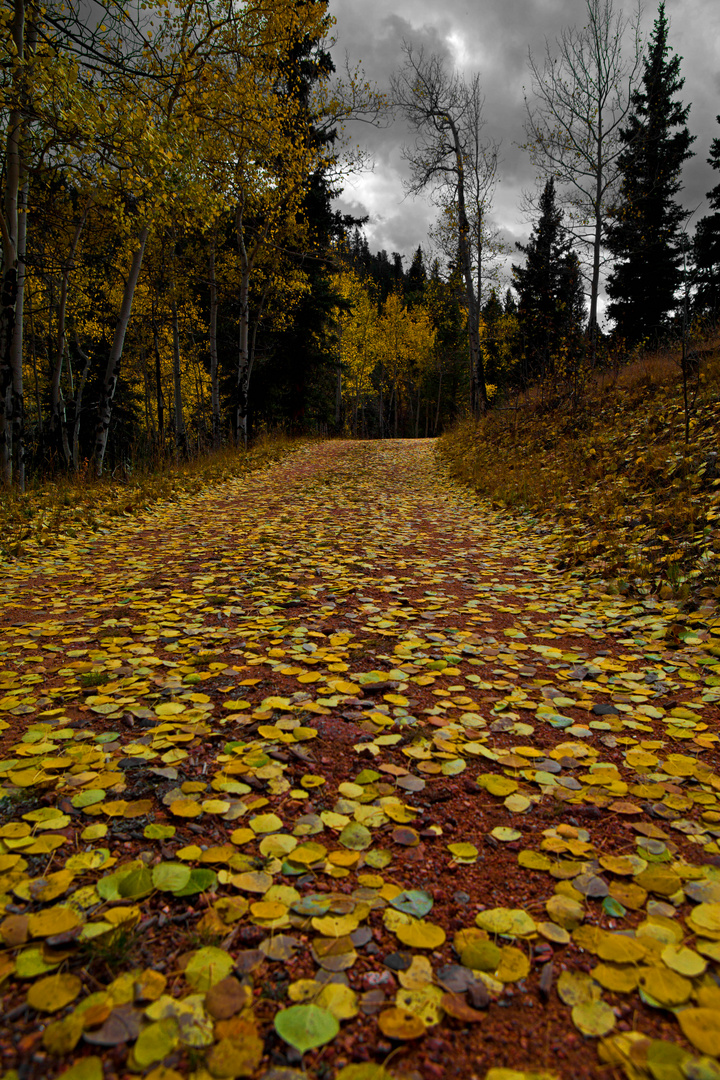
{"x":329,"y":772}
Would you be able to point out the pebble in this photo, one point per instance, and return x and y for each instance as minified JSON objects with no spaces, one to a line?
{"x":378,"y":980}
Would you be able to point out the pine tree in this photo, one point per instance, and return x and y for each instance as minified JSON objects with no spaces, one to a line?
{"x":416,"y":279}
{"x":645,"y":233}
{"x":551,"y":306}
{"x":706,"y":249}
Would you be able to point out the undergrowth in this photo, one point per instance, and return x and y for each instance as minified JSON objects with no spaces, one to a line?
{"x":48,"y":512}
{"x":614,"y":478}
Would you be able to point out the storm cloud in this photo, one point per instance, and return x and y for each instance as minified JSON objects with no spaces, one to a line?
{"x":493,"y":38}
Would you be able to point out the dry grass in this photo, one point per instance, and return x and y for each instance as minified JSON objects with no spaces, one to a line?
{"x":50,"y":511}
{"x":615,"y":477}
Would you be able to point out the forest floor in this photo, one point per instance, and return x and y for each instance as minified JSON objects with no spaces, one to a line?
{"x":328,"y":771}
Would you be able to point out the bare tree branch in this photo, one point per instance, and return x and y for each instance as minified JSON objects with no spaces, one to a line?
{"x":451,"y":159}
{"x":581,"y":100}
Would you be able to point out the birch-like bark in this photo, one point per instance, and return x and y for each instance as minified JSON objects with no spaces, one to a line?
{"x":85,"y":357}
{"x":477,"y":373}
{"x":437,"y":411}
{"x":179,"y":421}
{"x":243,"y":372}
{"x":17,"y":394}
{"x":245,"y":356}
{"x":9,"y":227}
{"x":33,"y":354}
{"x":338,"y":397}
{"x":160,"y":400}
{"x":582,"y":95}
{"x":446,"y":114}
{"x":214,"y":375}
{"x":57,"y":421}
{"x":112,"y":370}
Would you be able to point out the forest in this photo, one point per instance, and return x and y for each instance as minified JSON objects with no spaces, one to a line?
{"x":359,"y":628}
{"x":176,"y":279}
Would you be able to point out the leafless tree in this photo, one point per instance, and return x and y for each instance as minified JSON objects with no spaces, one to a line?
{"x":451,"y":159}
{"x":581,"y":98}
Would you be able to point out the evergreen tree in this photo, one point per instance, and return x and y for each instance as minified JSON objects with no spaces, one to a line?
{"x":644,"y":234}
{"x":551,"y":306}
{"x":706,"y":249}
{"x":416,"y":279}
{"x":492,"y":312}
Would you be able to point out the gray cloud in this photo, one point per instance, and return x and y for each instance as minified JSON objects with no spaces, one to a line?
{"x":493,"y":38}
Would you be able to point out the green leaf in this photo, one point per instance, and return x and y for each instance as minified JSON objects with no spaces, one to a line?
{"x":207,"y":967}
{"x":415,"y":902}
{"x":201,"y":879}
{"x":306,"y":1026}
{"x":169,"y":877}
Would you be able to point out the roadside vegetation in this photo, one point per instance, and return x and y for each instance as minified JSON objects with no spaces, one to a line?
{"x":51,"y":511}
{"x":613,"y":474}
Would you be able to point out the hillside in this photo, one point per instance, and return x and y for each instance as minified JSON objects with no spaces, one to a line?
{"x":614,"y":476}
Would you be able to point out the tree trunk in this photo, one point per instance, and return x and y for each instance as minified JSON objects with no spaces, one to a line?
{"x":214,"y":377}
{"x":338,"y":397}
{"x":158,"y":387}
{"x":245,"y":355}
{"x":56,"y":420}
{"x":149,"y":418}
{"x":477,"y":374}
{"x":179,"y":421}
{"x":597,"y":241}
{"x":17,"y":409}
{"x":112,"y":370}
{"x":9,"y":225}
{"x":437,"y":412}
{"x":243,"y":372}
{"x":382,"y":405}
{"x":33,"y":353}
{"x":78,"y":405}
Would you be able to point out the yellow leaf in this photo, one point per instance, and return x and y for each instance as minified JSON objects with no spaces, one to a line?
{"x":54,"y":992}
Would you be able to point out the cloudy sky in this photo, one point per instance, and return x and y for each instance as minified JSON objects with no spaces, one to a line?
{"x":492,"y":37}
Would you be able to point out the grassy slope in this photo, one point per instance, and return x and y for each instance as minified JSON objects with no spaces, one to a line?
{"x":50,"y":511}
{"x":615,"y":479}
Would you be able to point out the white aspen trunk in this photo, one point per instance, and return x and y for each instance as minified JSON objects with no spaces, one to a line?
{"x":338,"y":397}
{"x":477,"y":375}
{"x":245,"y":352}
{"x":437,"y":411}
{"x":17,"y":409}
{"x":243,"y":372}
{"x":214,"y":377}
{"x":149,"y":418}
{"x":597,"y":243}
{"x":243,"y":367}
{"x":9,"y":227}
{"x":179,"y":421}
{"x":78,"y":406}
{"x":158,"y":385}
{"x":57,"y":422}
{"x":112,"y":370}
{"x":33,"y":354}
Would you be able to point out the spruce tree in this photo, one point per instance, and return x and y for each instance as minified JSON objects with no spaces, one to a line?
{"x":706,"y":249}
{"x":416,"y":279}
{"x":551,"y":305}
{"x":644,"y":235}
